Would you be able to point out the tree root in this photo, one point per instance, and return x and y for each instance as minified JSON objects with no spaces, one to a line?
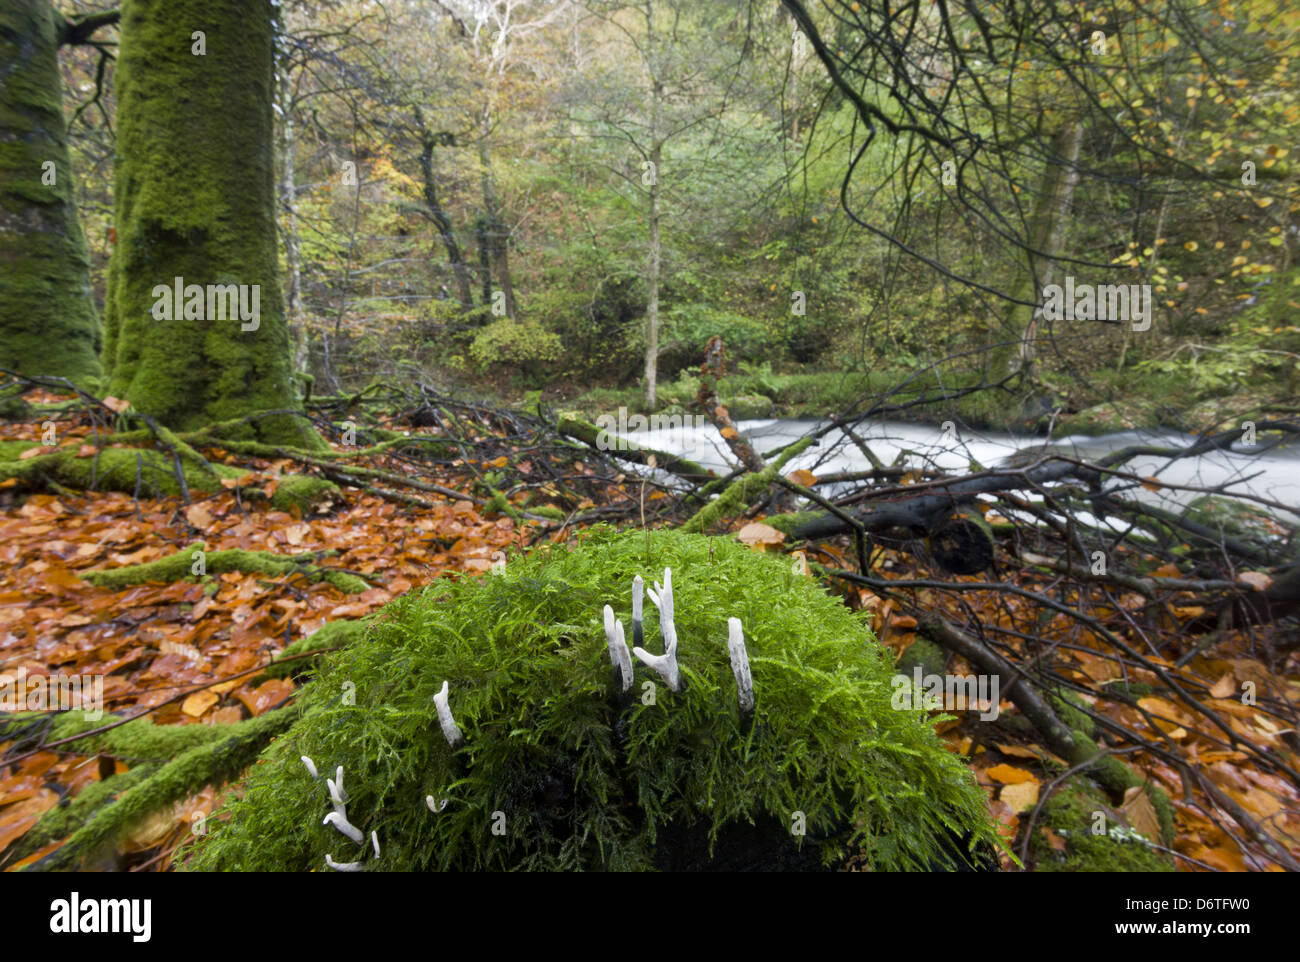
{"x":130,"y":470}
{"x":186,"y":563}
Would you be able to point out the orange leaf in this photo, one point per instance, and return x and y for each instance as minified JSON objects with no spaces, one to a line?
{"x":806,"y":478}
{"x":1010,"y":775}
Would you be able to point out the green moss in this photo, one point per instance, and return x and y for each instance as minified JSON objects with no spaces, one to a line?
{"x":923,"y":654}
{"x":48,"y":322}
{"x":748,"y":407}
{"x":181,"y":565}
{"x":334,"y":635}
{"x":303,"y":492}
{"x":1069,"y":812}
{"x":1066,"y":706}
{"x":1129,"y":691}
{"x":582,"y":777}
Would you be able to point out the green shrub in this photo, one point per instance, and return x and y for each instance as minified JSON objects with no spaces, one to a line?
{"x":512,"y":342}
{"x":582,"y":776}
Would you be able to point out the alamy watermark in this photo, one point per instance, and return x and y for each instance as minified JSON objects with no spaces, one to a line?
{"x":214,"y":302}
{"x":1100,"y":302}
{"x":915,"y":692}
{"x":58,"y":692}
{"x":685,"y":430}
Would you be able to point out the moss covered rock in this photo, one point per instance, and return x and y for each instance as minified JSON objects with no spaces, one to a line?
{"x":559,"y":770}
{"x":749,"y":407}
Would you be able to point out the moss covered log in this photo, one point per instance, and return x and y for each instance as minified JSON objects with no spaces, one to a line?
{"x":214,"y":761}
{"x":150,"y":472}
{"x":740,"y":493}
{"x":48,"y":322}
{"x":558,"y":770}
{"x":330,"y":637}
{"x":196,"y":561}
{"x":194,"y":199}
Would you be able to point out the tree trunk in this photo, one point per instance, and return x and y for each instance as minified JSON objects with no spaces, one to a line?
{"x":484,"y":258}
{"x":652,"y":283}
{"x":195,"y":200}
{"x":440,"y":219}
{"x":496,"y":231}
{"x":48,"y":322}
{"x":1046,"y":234}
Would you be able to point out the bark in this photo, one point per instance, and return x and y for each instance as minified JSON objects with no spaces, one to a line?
{"x":1046,"y":236}
{"x":195,"y":199}
{"x":48,"y":321}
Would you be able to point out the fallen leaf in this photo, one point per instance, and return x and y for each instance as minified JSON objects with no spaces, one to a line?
{"x":757,"y":534}
{"x":1055,"y":841}
{"x":1256,"y":579}
{"x":1021,"y":797}
{"x":199,"y":702}
{"x":805,"y":478}
{"x":1140,"y":814}
{"x":1010,"y":775}
{"x":1225,"y":687}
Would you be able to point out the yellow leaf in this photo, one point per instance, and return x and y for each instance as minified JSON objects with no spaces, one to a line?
{"x":806,"y":478}
{"x":1020,"y":797}
{"x":198,"y":703}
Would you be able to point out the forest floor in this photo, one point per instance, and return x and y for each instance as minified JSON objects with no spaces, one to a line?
{"x":188,"y":651}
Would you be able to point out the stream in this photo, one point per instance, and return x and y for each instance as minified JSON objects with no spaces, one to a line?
{"x":1273,"y":475}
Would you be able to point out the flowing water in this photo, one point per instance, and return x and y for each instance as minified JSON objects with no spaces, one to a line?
{"x":1273,"y":475}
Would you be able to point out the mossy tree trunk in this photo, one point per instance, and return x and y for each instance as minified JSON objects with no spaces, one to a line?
{"x":195,"y":199}
{"x":48,"y":321}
